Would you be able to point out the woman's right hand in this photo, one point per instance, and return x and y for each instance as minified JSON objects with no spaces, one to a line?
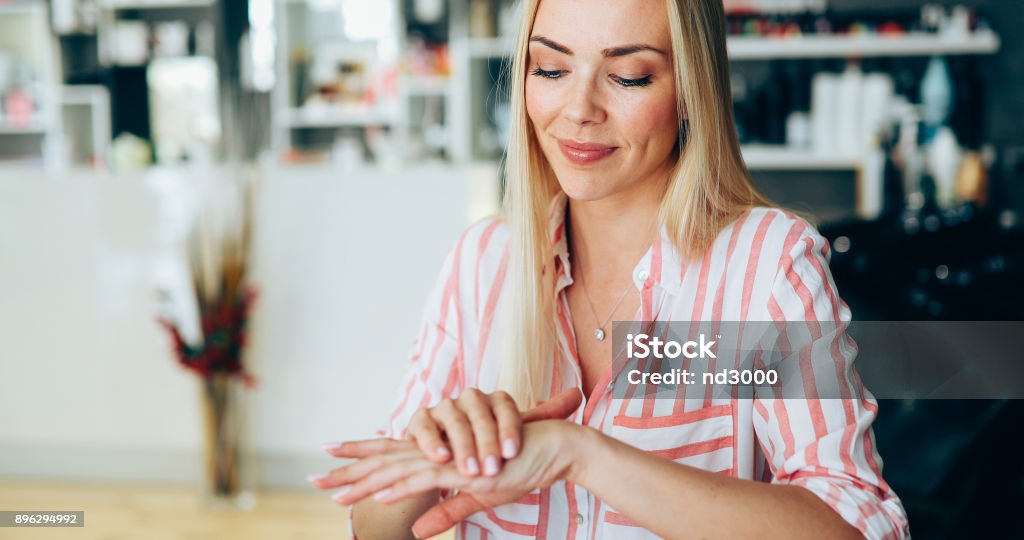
{"x":478,"y":430}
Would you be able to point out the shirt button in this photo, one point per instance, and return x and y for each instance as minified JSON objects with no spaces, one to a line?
{"x":580,"y":519}
{"x":642,"y":275}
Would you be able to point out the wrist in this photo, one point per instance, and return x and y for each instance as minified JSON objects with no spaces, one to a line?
{"x":582,"y":448}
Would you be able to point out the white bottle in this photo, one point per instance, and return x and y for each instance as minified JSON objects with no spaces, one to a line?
{"x":850,"y":113}
{"x":798,"y":130}
{"x":877,"y":107}
{"x":944,"y":157}
{"x":870,"y":185}
{"x":824,"y":112}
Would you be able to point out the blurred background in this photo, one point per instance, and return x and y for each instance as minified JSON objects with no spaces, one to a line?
{"x":340,"y":146}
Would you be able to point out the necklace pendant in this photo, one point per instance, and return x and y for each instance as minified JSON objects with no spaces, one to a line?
{"x":599,"y":334}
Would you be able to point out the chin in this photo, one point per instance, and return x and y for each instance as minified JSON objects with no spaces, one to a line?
{"x":584,"y":185}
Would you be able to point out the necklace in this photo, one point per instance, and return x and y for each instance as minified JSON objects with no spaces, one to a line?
{"x":599,"y":331}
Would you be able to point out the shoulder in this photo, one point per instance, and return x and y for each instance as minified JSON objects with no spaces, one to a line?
{"x":776,"y":234}
{"x":481,"y":243}
{"x":765,"y":244}
{"x":475,"y":260}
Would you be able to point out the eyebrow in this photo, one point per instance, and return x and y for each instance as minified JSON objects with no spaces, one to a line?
{"x":608,"y":53}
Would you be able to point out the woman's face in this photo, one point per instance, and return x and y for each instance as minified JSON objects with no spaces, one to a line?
{"x":600,"y":93}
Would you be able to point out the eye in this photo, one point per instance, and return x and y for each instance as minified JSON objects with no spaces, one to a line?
{"x":643,"y":81}
{"x":554,"y":74}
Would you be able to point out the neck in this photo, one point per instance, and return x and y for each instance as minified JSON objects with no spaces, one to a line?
{"x":608,"y":236}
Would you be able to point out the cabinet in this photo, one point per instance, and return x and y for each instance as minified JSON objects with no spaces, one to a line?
{"x":427,"y":84}
{"x":29,"y":75}
{"x":461,"y":113}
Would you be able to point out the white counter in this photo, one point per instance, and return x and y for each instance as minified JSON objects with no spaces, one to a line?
{"x":343,"y":261}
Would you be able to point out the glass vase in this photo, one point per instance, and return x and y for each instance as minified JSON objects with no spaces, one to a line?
{"x":228,"y":467}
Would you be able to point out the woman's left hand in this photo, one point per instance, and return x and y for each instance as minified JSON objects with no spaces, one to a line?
{"x":391,"y":470}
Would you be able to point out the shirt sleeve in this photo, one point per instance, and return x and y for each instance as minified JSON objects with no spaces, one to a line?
{"x":825,"y":445}
{"x":435,"y":358}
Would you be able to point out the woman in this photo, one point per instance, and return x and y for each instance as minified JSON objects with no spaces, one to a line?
{"x":627,"y":199}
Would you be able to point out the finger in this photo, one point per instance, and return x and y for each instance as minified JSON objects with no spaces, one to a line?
{"x":460,"y":436}
{"x":434,"y":478}
{"x":510,"y":423}
{"x":379,"y":482}
{"x":445,"y":515}
{"x":427,"y":435}
{"x":558,"y":407}
{"x":357,"y":470}
{"x":477,"y":407}
{"x":366,"y":447}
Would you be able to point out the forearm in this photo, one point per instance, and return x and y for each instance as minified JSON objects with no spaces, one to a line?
{"x":375,"y":521}
{"x":700,"y":504}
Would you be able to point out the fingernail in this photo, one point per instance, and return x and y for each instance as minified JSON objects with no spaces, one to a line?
{"x":330,"y":445}
{"x":317,"y":477}
{"x":442,"y":452}
{"x":382,"y":494}
{"x":338,"y":495}
{"x":472,"y":466}
{"x":508,"y":450}
{"x":491,"y":465}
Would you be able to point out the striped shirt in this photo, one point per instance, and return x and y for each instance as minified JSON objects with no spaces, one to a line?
{"x":768,"y":265}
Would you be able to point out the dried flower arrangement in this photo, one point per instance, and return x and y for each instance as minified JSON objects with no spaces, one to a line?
{"x":218,"y":250}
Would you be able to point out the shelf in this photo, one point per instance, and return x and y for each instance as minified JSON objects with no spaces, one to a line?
{"x":489,"y":47}
{"x":767,"y":48}
{"x":832,"y":46}
{"x":334,"y":117}
{"x":23,"y":8}
{"x":782,"y":158}
{"x":155,"y":4}
{"x":435,"y":85}
{"x":36,"y":126}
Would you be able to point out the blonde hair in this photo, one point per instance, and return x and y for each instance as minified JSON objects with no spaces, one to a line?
{"x":710,"y":185}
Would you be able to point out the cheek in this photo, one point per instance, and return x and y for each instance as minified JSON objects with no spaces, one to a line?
{"x":541,"y":104}
{"x":652,"y":120}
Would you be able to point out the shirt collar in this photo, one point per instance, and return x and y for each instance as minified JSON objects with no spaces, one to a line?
{"x":658,"y":261}
{"x":560,"y":245}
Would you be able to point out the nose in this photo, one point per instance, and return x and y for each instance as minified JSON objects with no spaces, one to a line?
{"x":583,"y":104}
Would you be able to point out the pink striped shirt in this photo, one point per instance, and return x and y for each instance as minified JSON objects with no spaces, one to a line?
{"x":768,"y":265}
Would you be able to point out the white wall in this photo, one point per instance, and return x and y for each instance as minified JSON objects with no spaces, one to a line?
{"x":88,"y":387}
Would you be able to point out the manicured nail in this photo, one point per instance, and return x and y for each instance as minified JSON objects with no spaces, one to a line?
{"x":330,"y":445}
{"x":442,"y":452}
{"x":317,"y":477}
{"x":338,"y":495}
{"x":491,"y":465}
{"x":472,"y":466}
{"x":508,"y":450}
{"x":382,"y":494}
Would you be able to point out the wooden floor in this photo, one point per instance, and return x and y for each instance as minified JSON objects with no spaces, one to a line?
{"x":119,"y":511}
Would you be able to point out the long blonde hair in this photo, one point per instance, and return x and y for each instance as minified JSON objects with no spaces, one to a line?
{"x":710,"y":185}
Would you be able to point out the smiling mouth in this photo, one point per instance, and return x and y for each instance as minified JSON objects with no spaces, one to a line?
{"x":584,"y":153}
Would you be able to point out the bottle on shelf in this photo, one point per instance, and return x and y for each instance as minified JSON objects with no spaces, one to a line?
{"x":850,"y":110}
{"x":825,"y":112}
{"x":936,"y":95}
{"x":944,"y":158}
{"x":870,"y":187}
{"x":876,"y":106}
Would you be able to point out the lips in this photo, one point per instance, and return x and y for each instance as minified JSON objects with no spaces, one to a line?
{"x":584,"y":153}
